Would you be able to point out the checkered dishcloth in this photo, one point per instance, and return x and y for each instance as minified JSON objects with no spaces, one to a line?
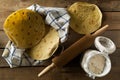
{"x":58,"y":18}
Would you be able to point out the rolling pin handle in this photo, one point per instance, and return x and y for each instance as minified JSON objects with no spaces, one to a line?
{"x":48,"y":68}
{"x":100,"y":31}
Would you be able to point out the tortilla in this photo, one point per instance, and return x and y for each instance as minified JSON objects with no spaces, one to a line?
{"x":85,"y":17}
{"x":46,"y":47}
{"x":25,"y":28}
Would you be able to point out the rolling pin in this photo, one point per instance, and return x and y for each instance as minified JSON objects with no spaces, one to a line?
{"x":74,"y":50}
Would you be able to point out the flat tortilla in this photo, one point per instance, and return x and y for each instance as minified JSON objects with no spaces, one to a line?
{"x":25,"y":28}
{"x":85,"y":17}
{"x":47,"y":46}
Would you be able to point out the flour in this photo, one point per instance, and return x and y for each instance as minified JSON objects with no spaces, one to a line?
{"x":96,"y":64}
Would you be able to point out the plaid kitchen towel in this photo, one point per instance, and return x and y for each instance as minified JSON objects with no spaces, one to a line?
{"x":58,"y":18}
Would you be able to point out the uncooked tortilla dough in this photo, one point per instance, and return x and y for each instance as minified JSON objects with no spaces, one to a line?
{"x":97,"y":64}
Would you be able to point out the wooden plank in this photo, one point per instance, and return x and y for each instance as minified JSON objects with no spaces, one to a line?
{"x":3,"y":16}
{"x":72,"y":71}
{"x":107,"y":5}
{"x":67,"y":73}
{"x":115,"y":57}
{"x":114,"y":35}
{"x":3,"y":39}
{"x":75,"y":62}
{"x":3,"y":63}
{"x":7,"y":7}
{"x":111,"y":18}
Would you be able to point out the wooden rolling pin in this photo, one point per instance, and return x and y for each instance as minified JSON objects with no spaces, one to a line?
{"x":73,"y":51}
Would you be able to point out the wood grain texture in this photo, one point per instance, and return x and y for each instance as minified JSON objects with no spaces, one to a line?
{"x":113,"y":35}
{"x":66,"y":73}
{"x":72,"y":71}
{"x":3,"y":63}
{"x":3,"y":39}
{"x":107,"y":5}
{"x":111,"y":18}
{"x":74,"y":63}
{"x":9,"y":6}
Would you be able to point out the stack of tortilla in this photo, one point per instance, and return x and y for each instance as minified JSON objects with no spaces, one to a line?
{"x":27,"y":30}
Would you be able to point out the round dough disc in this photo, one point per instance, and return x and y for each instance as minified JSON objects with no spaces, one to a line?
{"x":47,"y":46}
{"x":85,"y":17}
{"x":25,"y":28}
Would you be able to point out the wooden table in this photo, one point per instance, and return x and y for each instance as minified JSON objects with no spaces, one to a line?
{"x":72,"y":71}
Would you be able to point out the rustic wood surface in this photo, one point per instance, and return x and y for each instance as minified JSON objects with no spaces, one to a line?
{"x":72,"y":71}
{"x":111,"y":18}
